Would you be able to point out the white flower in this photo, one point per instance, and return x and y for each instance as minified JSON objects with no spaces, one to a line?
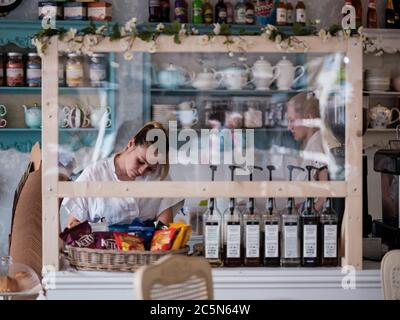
{"x":70,"y":35}
{"x":204,"y":40}
{"x":101,"y":30}
{"x":322,"y":34}
{"x":153,"y":47}
{"x":123,"y":31}
{"x":271,"y":27}
{"x":90,"y":40}
{"x":160,"y":27}
{"x":130,"y":25}
{"x":195,"y":31}
{"x":231,"y":54}
{"x":360,"y":30}
{"x":278,"y":39}
{"x":128,"y":56}
{"x":217,"y":29}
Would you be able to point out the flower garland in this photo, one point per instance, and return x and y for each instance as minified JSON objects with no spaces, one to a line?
{"x":85,"y":40}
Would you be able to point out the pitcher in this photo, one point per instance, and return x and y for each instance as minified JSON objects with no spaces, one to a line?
{"x":287,"y":76}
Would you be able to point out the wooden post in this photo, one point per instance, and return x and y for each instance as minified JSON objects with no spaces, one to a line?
{"x":354,"y":119}
{"x":50,"y":156}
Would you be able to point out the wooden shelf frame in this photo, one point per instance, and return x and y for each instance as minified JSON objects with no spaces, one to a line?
{"x":351,"y":188}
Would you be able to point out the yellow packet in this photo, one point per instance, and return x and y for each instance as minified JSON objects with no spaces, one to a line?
{"x":187,"y":236}
{"x":179,"y":239}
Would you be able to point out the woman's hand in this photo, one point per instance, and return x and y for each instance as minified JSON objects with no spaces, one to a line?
{"x":72,"y":221}
{"x":166,"y":217}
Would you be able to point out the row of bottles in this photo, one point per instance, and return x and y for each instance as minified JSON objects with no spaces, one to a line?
{"x":271,"y":239}
{"x":225,"y":11}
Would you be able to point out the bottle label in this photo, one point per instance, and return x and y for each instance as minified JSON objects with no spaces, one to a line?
{"x":233,"y":241}
{"x":222,"y":14}
{"x":241,"y":15}
{"x":15,"y":76}
{"x":290,"y":16}
{"x":250,"y":16}
{"x":180,"y":12}
{"x":309,"y":241}
{"x":212,"y":241}
{"x":34,"y":75}
{"x":281,"y":15}
{"x":291,"y":241}
{"x":330,"y":241}
{"x":97,"y":74}
{"x":300,"y":15}
{"x":253,"y":240}
{"x":197,"y":12}
{"x":372,"y":5}
{"x":208,"y":16}
{"x":271,"y":241}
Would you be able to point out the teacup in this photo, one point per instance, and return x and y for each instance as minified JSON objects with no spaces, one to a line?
{"x":188,"y":118}
{"x":3,"y":123}
{"x":381,"y":116}
{"x":3,"y":110}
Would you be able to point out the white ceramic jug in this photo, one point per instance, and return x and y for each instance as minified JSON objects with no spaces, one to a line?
{"x":264,"y":74}
{"x":287,"y":76}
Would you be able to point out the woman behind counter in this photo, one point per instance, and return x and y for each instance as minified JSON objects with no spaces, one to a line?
{"x":130,"y":164}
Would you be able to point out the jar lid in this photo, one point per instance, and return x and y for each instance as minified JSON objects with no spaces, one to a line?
{"x":98,"y":55}
{"x":14,"y":54}
{"x":73,"y":55}
{"x":33,"y":54}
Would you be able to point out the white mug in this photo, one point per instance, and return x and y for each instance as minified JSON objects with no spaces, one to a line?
{"x":3,"y":110}
{"x":188,"y":118}
{"x":3,"y":123}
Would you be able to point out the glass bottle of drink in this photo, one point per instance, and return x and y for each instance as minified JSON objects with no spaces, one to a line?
{"x":240,"y":14}
{"x":271,"y":231}
{"x":309,"y":222}
{"x":250,"y":17}
{"x":359,"y":12}
{"x":396,"y":5}
{"x":208,"y":12}
{"x":372,"y":17}
{"x":289,"y":14}
{"x":220,"y":12}
{"x":329,"y":236}
{"x":230,"y":11}
{"x":290,"y":242}
{"x":154,"y":11}
{"x":252,"y":232}
{"x":390,"y":15}
{"x":180,"y":11}
{"x":212,"y":231}
{"x":301,"y":14}
{"x":233,"y":249}
{"x":197,"y":15}
{"x":260,"y":12}
{"x":165,"y":11}
{"x":281,"y":14}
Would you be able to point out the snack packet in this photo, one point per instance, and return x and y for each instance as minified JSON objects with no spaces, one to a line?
{"x":183,"y":235}
{"x":163,"y":239}
{"x":104,"y":241}
{"x":79,"y":236}
{"x":128,"y":242}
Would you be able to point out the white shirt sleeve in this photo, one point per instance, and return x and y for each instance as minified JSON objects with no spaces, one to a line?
{"x":78,"y":207}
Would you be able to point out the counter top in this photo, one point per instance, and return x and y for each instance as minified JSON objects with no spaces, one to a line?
{"x":232,"y":284}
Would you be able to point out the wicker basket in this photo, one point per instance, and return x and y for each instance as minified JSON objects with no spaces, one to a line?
{"x":112,"y":260}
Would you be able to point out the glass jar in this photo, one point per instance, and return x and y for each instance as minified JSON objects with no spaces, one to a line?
{"x":234,"y":116}
{"x":2,"y":78}
{"x":253,"y":117}
{"x":15,"y":70}
{"x":34,"y":70}
{"x":61,"y":70}
{"x":74,"y":70}
{"x":98,"y":70}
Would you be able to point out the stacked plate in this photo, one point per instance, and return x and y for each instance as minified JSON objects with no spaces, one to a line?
{"x":164,"y":113}
{"x":377,"y":80}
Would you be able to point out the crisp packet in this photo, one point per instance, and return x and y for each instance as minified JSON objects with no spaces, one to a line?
{"x":105,"y":241}
{"x":79,"y":236}
{"x":127,"y":242}
{"x":183,"y":229}
{"x":163,"y":239}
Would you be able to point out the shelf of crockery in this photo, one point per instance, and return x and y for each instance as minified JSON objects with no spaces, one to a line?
{"x":222,"y":92}
{"x":61,"y":130}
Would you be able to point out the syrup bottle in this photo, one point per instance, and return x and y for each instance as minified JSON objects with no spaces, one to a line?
{"x":252,"y":231}
{"x":233,"y":250}
{"x":290,"y":224}
{"x":309,"y":222}
{"x":271,"y":233}
{"x":212,"y":231}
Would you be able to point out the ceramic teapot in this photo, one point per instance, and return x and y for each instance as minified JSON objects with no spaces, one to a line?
{"x":208,"y":79}
{"x":100,"y":116}
{"x":380,"y":116}
{"x":75,"y":117}
{"x":235,"y":77}
{"x":287,"y":75}
{"x":264,"y":74}
{"x":33,"y":116}
{"x":173,"y":77}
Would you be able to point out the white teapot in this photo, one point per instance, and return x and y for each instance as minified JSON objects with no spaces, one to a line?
{"x":264,"y":74}
{"x":287,"y":75}
{"x":235,"y":77}
{"x":100,"y":116}
{"x":209,"y":79}
{"x":380,"y":116}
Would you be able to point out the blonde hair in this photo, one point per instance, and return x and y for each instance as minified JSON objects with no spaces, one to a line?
{"x":140,"y":139}
{"x":305,"y":104}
